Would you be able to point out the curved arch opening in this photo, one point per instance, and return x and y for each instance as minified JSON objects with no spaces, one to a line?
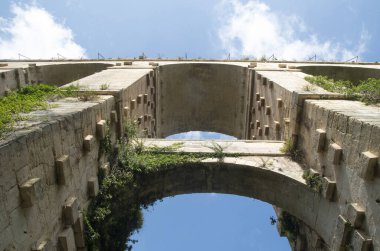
{"x":202,"y":97}
{"x":209,"y":222}
{"x":201,"y":135}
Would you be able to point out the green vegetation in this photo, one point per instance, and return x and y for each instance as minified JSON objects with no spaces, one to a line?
{"x":218,"y":150}
{"x":27,"y":99}
{"x":289,"y":225}
{"x":290,"y":148}
{"x":313,"y":180}
{"x":104,"y":86}
{"x":367,"y":91}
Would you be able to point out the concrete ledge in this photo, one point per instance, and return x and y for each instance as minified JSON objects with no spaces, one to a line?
{"x":71,"y":211}
{"x":321,"y":139}
{"x":30,"y":191}
{"x":45,"y":245}
{"x":66,"y":240}
{"x":355,"y":215}
{"x":367,"y":164}
{"x":328,"y":188}
{"x":88,"y":143}
{"x":79,"y":233}
{"x":101,"y":129}
{"x":93,"y":187}
{"x":62,"y":165}
{"x":361,"y":242}
{"x":342,"y":233}
{"x":335,"y":154}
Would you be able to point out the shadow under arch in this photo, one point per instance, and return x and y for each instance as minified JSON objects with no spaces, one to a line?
{"x":237,"y":176}
{"x":202,"y":97}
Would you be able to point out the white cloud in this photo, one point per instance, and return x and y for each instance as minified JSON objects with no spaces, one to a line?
{"x":252,"y":29}
{"x":33,"y":32}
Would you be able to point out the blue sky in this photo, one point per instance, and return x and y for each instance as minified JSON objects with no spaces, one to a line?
{"x":292,"y":29}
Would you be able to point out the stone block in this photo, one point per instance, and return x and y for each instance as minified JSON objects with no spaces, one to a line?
{"x":265,"y":81}
{"x":355,"y":214}
{"x":328,"y":188}
{"x":145,"y":98}
{"x":32,"y":65}
{"x":258,"y":76}
{"x":66,"y":240}
{"x":279,"y":103}
{"x":139,"y":98}
{"x":153,"y":63}
{"x":259,"y":131}
{"x":262,"y":101}
{"x":105,"y":169}
{"x":266,"y":130}
{"x":45,"y":245}
{"x":342,"y":233}
{"x":133,"y":104}
{"x":151,"y":90}
{"x":93,"y":187}
{"x":282,"y":65}
{"x":360,"y":242}
{"x":367,"y":165}
{"x":114,"y":118}
{"x":321,"y":139}
{"x":70,"y":211}
{"x":118,"y":64}
{"x":335,"y":153}
{"x":88,"y":143}
{"x":271,"y":83}
{"x":277,"y":125}
{"x":101,"y":127}
{"x":30,"y":192}
{"x":258,"y":105}
{"x":267,"y":110}
{"x":126,"y":111}
{"x":257,"y":123}
{"x":146,"y":117}
{"x":252,"y":65}
{"x":251,"y":125}
{"x":128,"y":62}
{"x":62,"y":166}
{"x":253,"y":138}
{"x":257,"y":96}
{"x":79,"y":233}
{"x":140,"y":120}
{"x":253,"y":110}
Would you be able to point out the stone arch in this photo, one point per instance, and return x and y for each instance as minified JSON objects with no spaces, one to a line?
{"x":245,"y":177}
{"x":202,"y":97}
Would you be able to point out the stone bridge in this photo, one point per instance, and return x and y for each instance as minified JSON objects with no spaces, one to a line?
{"x":49,"y":164}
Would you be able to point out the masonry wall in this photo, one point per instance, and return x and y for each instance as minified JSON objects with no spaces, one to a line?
{"x":48,"y":174}
{"x":340,"y":140}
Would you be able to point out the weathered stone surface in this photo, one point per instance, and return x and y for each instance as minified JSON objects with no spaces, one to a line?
{"x":93,"y":186}
{"x":30,"y":192}
{"x":360,"y":242}
{"x":328,"y":188}
{"x":320,"y":139}
{"x":355,"y":214}
{"x":66,"y":240}
{"x":267,"y":110}
{"x":342,"y":233}
{"x":101,"y":127}
{"x":279,"y":103}
{"x":89,"y":143}
{"x":367,"y":164}
{"x":62,"y":166}
{"x":45,"y":245}
{"x":114,"y":117}
{"x":335,"y":152}
{"x":79,"y":233}
{"x":70,"y":211}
